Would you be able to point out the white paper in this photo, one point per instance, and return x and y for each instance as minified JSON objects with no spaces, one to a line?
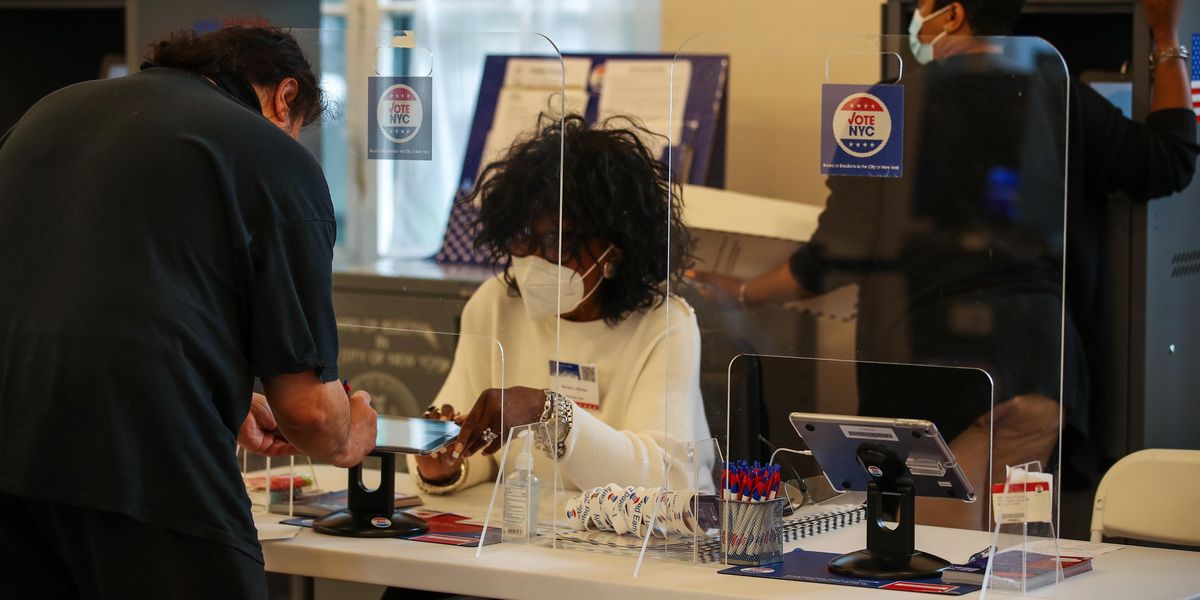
{"x":1076,"y":548}
{"x":276,"y":531}
{"x":517,"y":116}
{"x":548,"y":73}
{"x":643,"y":89}
{"x":1024,"y":506}
{"x":735,"y":212}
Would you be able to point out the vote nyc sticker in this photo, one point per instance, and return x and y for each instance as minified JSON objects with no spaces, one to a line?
{"x":862,"y":130}
{"x":400,"y":122}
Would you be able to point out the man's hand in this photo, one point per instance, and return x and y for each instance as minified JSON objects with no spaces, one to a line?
{"x":259,"y":432}
{"x":361,"y":440}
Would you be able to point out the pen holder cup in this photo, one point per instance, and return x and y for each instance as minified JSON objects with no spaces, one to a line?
{"x":752,"y":532}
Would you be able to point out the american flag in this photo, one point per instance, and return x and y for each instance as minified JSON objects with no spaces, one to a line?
{"x":1196,"y":75}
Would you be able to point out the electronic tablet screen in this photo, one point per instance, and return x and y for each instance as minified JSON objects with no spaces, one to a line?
{"x":406,"y":435}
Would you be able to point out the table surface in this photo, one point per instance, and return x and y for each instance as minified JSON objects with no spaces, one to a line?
{"x":517,"y":571}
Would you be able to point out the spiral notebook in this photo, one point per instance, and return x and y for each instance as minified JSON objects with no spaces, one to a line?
{"x":810,"y":521}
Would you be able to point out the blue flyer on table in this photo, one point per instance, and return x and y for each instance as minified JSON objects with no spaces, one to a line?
{"x":799,"y":565}
{"x":400,"y":122}
{"x":862,"y":130}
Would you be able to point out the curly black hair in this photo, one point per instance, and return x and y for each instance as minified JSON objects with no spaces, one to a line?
{"x":613,"y":189}
{"x":258,"y":55}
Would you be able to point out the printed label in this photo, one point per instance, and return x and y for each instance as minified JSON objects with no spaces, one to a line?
{"x":1022,"y":502}
{"x":913,"y":586}
{"x":868,"y":433}
{"x":862,"y":130}
{"x":516,"y":516}
{"x":401,"y":120}
{"x":381,"y":522}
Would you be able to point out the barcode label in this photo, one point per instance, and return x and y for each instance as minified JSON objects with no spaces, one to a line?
{"x":868,"y":433}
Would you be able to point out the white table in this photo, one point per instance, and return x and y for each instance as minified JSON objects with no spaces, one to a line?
{"x":516,"y":571}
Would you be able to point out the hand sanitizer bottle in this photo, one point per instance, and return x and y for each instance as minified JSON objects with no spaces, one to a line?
{"x":521,"y":500}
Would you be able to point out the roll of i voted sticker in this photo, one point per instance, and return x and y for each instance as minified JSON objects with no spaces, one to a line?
{"x":585,"y":509}
{"x":620,"y":520}
{"x":574,"y":513}
{"x":599,"y":520}
{"x":610,"y":504}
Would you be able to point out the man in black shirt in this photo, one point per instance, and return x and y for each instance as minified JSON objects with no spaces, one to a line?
{"x":958,"y":260}
{"x":165,"y":240}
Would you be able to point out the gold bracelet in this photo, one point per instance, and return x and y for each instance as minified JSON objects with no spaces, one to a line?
{"x":439,"y":489}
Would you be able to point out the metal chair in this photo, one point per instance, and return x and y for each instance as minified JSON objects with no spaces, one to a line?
{"x":1150,"y":495}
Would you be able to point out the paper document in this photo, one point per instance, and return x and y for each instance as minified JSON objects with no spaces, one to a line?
{"x":651,"y":92}
{"x":1077,"y":548}
{"x":275,"y":531}
{"x":517,"y":113}
{"x":548,"y":73}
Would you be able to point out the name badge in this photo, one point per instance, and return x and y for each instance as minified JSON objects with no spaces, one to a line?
{"x":1025,"y":502}
{"x":577,"y":382}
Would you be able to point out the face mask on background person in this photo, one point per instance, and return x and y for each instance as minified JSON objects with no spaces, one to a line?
{"x":538,"y":278}
{"x":924,"y":52}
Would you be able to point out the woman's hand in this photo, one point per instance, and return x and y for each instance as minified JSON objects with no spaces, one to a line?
{"x":521,"y":406}
{"x":440,"y":466}
{"x":259,"y":432}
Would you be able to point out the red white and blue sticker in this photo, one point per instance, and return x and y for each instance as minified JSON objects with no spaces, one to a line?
{"x":400,"y":122}
{"x":862,"y":130}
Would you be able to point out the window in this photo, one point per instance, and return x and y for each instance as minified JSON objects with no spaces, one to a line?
{"x":382,"y":227}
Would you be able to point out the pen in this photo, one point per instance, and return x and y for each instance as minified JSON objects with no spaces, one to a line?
{"x":982,"y":554}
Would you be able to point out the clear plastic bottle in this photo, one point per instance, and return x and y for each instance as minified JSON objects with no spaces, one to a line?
{"x":521,"y":489}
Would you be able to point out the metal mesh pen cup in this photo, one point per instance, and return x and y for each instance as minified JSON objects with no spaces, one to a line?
{"x":752,"y":532}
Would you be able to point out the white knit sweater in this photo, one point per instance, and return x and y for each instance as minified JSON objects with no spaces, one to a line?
{"x":650,"y":404}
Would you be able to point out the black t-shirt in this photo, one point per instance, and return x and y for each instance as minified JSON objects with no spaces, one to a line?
{"x":958,"y":261}
{"x":162,"y":246}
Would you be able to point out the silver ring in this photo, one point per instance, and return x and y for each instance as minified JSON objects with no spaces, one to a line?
{"x":489,"y":436}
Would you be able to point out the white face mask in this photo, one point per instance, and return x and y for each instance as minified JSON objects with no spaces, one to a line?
{"x":538,"y":279}
{"x":924,"y":52}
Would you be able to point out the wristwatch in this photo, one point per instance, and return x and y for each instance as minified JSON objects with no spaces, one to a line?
{"x":1180,"y":52}
{"x":557,"y":417}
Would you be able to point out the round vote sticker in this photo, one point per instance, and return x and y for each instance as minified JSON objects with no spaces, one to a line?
{"x":381,"y":522}
{"x":862,"y":125}
{"x":399,"y":113}
{"x":875,"y":471}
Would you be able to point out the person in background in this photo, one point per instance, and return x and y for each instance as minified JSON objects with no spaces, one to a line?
{"x":165,"y":240}
{"x":1107,"y":153}
{"x":623,"y":246}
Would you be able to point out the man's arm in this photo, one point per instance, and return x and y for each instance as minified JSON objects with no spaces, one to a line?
{"x":320,"y":420}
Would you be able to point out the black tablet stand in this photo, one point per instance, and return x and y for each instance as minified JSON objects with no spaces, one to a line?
{"x":890,"y":553}
{"x":371,"y":513}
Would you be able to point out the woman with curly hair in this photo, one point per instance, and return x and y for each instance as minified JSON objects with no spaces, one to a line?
{"x":605,"y":305}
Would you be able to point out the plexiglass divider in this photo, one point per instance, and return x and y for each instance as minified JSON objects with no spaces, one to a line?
{"x":1024,"y":559}
{"x":884,"y":213}
{"x":931,"y":210}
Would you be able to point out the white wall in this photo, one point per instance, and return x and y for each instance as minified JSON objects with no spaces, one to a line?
{"x":777,"y":64}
